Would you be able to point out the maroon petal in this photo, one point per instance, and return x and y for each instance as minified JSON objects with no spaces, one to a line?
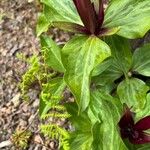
{"x":101,"y":12}
{"x":142,"y":139}
{"x":100,"y":16}
{"x":87,"y":14}
{"x":126,"y":119}
{"x":143,"y":124}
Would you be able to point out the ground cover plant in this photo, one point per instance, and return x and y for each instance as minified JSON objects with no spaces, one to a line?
{"x":108,"y":80}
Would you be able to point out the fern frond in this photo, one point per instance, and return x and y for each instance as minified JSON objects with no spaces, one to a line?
{"x":37,"y":73}
{"x":54,"y":131}
{"x":65,"y":144}
{"x":51,"y":95}
{"x":50,"y":100}
{"x":59,"y":107}
{"x":56,"y":115}
{"x":30,"y":76}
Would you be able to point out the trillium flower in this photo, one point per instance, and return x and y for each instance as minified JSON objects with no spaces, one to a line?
{"x":135,"y":132}
{"x":92,"y":17}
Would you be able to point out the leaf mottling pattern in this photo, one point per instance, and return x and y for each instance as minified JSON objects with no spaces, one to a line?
{"x":62,"y":10}
{"x":132,"y":16}
{"x":80,"y":62}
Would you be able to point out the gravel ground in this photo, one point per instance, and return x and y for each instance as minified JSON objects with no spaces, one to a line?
{"x":17,"y":35}
{"x":17,"y":32}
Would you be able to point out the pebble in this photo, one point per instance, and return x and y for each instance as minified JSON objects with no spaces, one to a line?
{"x":22,"y":123}
{"x":25,"y":107}
{"x":15,"y":99}
{"x":38,"y":139}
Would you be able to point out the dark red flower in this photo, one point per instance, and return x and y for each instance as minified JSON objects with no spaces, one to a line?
{"x":91,"y":15}
{"x":134,"y":131}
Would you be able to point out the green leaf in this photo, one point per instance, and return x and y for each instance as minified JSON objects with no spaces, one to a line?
{"x":121,"y":51}
{"x":51,"y":94}
{"x":105,"y":133}
{"x":100,"y":68}
{"x":42,"y":24}
{"x":132,"y":16}
{"x":52,"y":54}
{"x":64,"y":10}
{"x":109,"y":32}
{"x":79,"y":63}
{"x":141,"y":60}
{"x":146,"y":109}
{"x":133,"y":93}
{"x":74,"y":45}
{"x":81,"y":138}
{"x":119,"y":64}
{"x":144,"y":147}
{"x":109,"y":75}
{"x":70,"y":27}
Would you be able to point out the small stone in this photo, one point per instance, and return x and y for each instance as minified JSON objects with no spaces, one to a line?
{"x":52,"y":144}
{"x":22,"y":124}
{"x":36,"y":103}
{"x":31,"y":118}
{"x":30,"y":1}
{"x":44,"y":148}
{"x":15,"y":100}
{"x":25,"y":108}
{"x":38,"y":139}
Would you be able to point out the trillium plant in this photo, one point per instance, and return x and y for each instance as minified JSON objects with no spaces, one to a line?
{"x":101,"y":70}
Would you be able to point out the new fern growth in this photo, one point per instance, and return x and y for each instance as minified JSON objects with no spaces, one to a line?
{"x":51,"y":91}
{"x":37,"y":73}
{"x":54,"y":131}
{"x":57,"y":111}
{"x":30,"y":76}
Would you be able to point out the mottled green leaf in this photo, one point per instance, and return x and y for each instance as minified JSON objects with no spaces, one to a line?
{"x":100,"y":68}
{"x":101,"y":134}
{"x":132,"y":16}
{"x":61,"y":10}
{"x":74,"y":45}
{"x":105,"y":133}
{"x":146,"y":109}
{"x":141,"y":60}
{"x":79,"y":63}
{"x":121,"y":52}
{"x":109,"y":32}
{"x":120,"y":61}
{"x":42,"y":25}
{"x":81,"y":138}
{"x":109,"y":75}
{"x":133,"y":92}
{"x":70,"y":27}
{"x":52,"y":54}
